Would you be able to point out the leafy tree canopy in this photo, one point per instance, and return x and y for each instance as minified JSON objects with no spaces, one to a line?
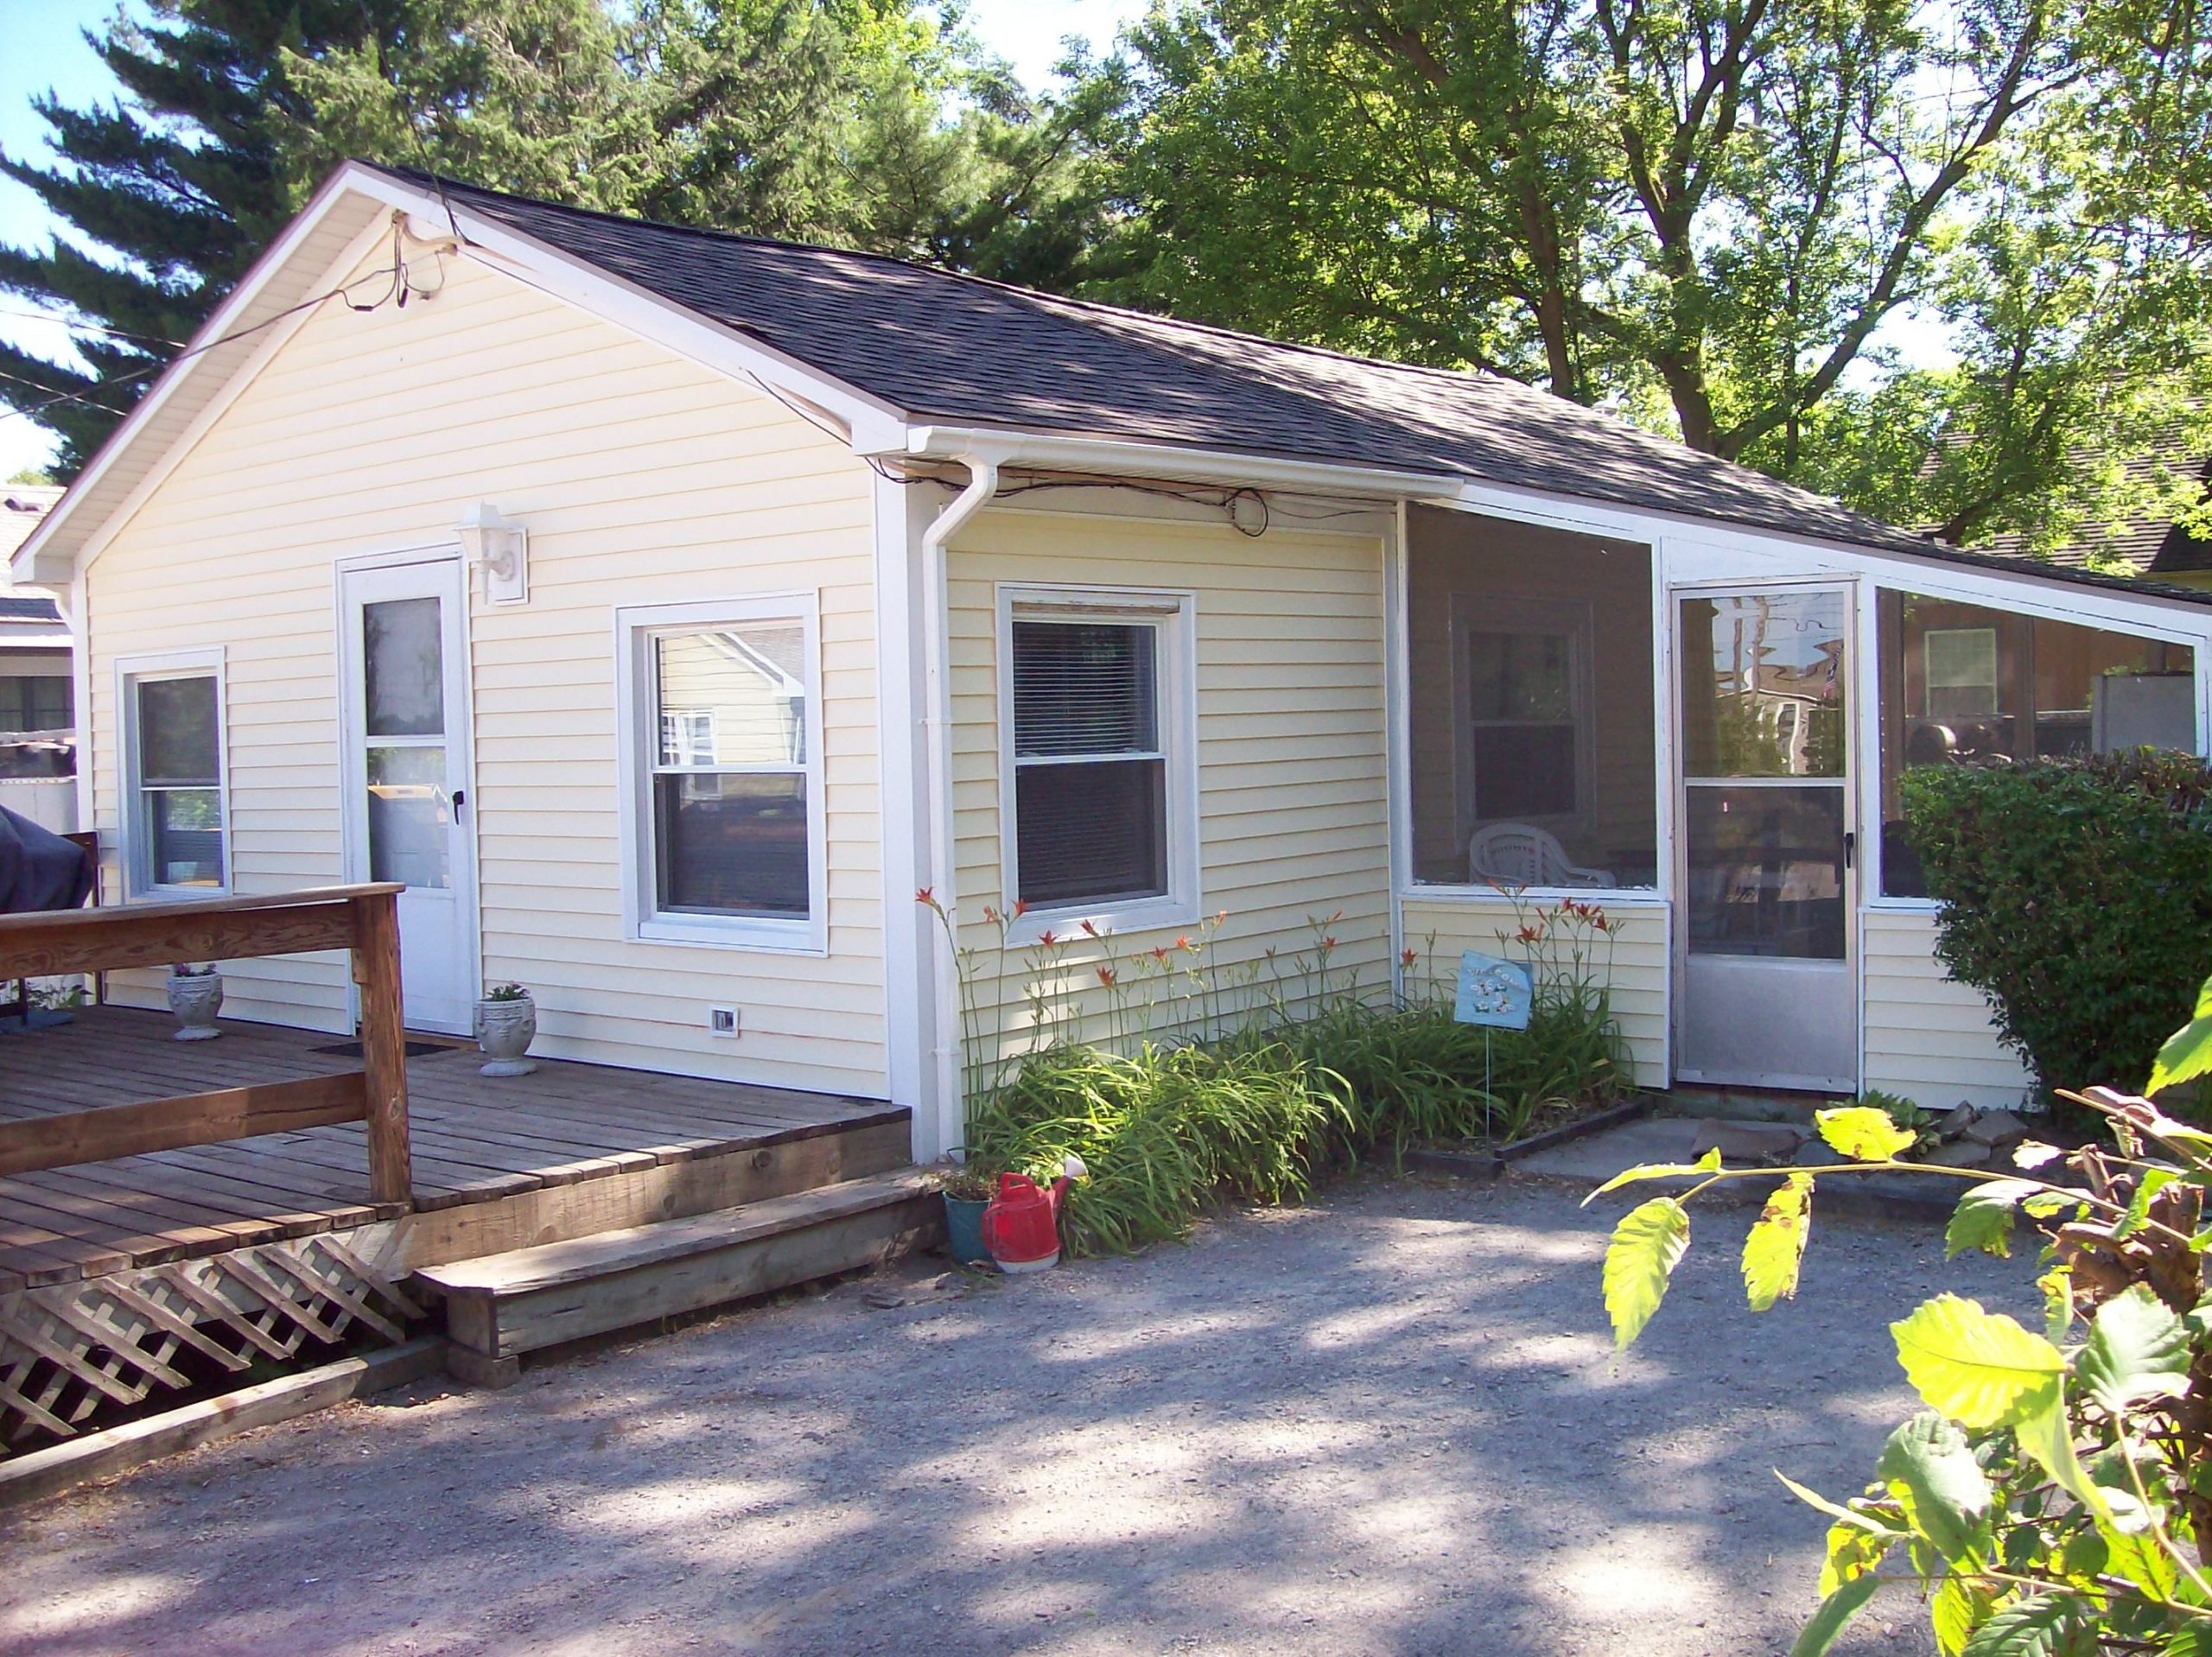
{"x":1707,"y":213}
{"x":869,"y":124}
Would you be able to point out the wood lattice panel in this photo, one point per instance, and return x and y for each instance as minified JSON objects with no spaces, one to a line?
{"x":78,"y":1356}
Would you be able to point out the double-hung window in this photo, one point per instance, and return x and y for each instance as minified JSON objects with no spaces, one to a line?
{"x":1097,"y":720}
{"x":174,"y":802}
{"x":1527,"y":714}
{"x":722,"y":739}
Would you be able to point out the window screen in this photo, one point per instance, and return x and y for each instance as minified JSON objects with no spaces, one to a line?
{"x":179,"y":781}
{"x":1091,"y":775}
{"x":1963,"y":684}
{"x":1529,"y":716}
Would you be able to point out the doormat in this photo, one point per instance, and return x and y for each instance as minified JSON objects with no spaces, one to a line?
{"x":414,"y":1048}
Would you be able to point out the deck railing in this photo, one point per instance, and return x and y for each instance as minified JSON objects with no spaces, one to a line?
{"x":364,"y":919}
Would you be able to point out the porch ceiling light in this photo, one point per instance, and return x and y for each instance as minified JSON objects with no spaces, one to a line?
{"x":499,"y":552}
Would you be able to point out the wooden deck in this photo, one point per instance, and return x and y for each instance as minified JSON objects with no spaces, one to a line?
{"x":476,"y":1140}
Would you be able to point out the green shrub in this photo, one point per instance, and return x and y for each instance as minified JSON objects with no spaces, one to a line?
{"x":2077,"y":895}
{"x":1162,"y":1130}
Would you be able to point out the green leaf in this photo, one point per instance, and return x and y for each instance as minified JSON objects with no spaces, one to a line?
{"x":1978,"y":1368}
{"x":2057,"y":1286}
{"x":2154,"y":1180}
{"x":1648,"y":1244}
{"x":1983,"y":1218}
{"x":1776,"y":1247}
{"x":2033,"y":1154}
{"x":2047,"y":1436}
{"x":1930,"y":1466}
{"x":1835,"y":1611}
{"x":1960,"y":1605}
{"x":1707,"y":1163}
{"x":1836,"y":1510}
{"x":2138,"y":1350}
{"x":2187,"y":1053}
{"x":1863,"y":1132}
{"x":1853,"y":1552}
{"x":2045,"y":1625}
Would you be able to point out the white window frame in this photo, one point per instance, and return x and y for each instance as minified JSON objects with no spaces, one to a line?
{"x":1173,"y":616}
{"x":137,"y":835}
{"x":638,"y":735}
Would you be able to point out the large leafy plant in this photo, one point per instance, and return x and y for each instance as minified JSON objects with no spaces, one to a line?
{"x":2077,"y":896}
{"x":2052,"y":1498}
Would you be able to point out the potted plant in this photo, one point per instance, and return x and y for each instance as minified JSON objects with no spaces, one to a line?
{"x":506,"y":1025}
{"x":195,"y":994}
{"x":967,"y":1192}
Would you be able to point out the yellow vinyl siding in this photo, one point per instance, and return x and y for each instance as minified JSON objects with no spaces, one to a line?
{"x":1439,"y":929}
{"x":643,"y":479}
{"x":1926,"y":1036}
{"x":1291,"y":796}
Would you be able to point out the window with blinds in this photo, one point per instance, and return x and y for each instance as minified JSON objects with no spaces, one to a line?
{"x":1090,"y":768}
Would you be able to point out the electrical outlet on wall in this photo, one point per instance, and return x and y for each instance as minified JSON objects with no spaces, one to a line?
{"x":723,"y":1021}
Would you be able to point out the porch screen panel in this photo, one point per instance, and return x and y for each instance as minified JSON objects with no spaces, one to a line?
{"x":1533,"y":757}
{"x":1965,"y":685}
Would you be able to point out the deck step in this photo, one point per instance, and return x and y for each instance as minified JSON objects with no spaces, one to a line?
{"x":500,"y":1305}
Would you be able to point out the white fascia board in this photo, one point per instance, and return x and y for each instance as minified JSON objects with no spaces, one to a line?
{"x":1932,"y":572}
{"x":49,"y":555}
{"x":872,"y":423}
{"x":1119,"y":457}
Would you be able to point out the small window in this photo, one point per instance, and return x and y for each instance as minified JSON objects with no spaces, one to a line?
{"x":726,"y":827}
{"x":35,"y":702}
{"x":1098,"y":785}
{"x":1525,"y":713}
{"x":1960,"y":677}
{"x":173,"y":778}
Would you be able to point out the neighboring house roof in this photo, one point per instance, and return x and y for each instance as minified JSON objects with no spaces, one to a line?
{"x":22,"y":506}
{"x":2153,"y":546}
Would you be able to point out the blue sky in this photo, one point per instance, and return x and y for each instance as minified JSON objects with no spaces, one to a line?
{"x":44,"y":49}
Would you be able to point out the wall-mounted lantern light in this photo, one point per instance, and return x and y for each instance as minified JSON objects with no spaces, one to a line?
{"x":499,"y":553}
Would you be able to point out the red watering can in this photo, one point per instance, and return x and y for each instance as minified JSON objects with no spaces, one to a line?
{"x":1021,"y":1228}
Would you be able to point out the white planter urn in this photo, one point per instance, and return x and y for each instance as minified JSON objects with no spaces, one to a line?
{"x":195,"y":998}
{"x":503,"y":1030}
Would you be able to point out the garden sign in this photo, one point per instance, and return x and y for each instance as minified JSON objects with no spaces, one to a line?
{"x":1493,"y":991}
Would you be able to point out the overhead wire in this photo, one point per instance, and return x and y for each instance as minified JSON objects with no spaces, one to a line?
{"x":396,"y":284}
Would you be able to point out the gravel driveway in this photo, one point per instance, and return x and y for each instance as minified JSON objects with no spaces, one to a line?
{"x":1386,"y":1423}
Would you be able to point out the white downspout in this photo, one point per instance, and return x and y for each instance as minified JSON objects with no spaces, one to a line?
{"x":937,"y":729}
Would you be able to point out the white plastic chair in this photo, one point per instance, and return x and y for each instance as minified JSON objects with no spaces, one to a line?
{"x":1520,"y":854}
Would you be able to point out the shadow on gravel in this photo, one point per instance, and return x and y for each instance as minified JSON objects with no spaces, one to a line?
{"x":1387,"y":1423}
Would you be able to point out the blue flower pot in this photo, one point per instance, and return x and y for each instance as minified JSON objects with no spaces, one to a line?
{"x":963,"y":1231}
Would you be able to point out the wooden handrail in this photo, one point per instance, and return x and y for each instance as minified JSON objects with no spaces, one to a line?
{"x":362,"y":918}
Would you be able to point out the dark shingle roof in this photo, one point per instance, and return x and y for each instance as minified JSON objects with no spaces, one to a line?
{"x":940,"y":346}
{"x":24,"y":608}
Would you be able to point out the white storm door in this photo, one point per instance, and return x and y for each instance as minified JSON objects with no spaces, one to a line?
{"x":1766,"y":841}
{"x":402,"y":655}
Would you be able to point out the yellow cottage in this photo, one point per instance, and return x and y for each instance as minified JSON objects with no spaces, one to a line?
{"x":665,"y":609}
